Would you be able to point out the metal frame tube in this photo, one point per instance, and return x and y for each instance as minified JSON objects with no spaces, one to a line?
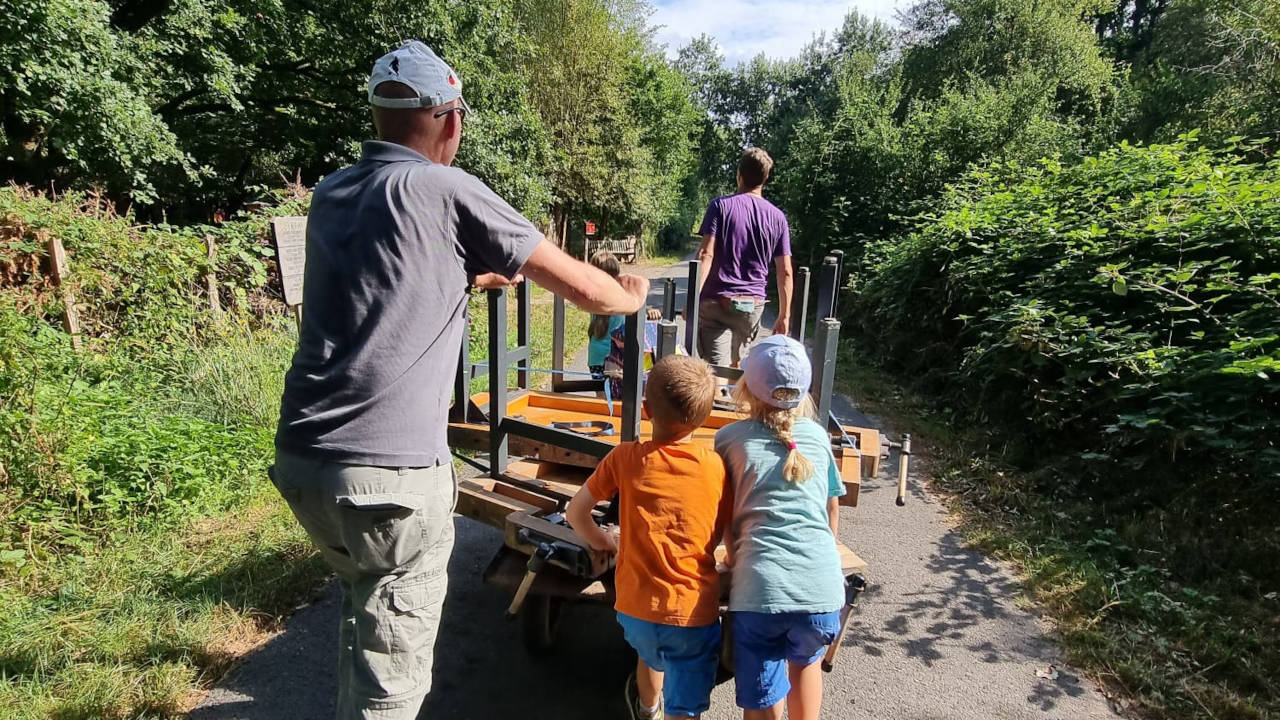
{"x":669,"y":299}
{"x":835,"y":298}
{"x":799,"y":303}
{"x":462,"y":378}
{"x":692,"y":290}
{"x":557,"y":343}
{"x":632,"y":375}
{"x":497,"y":381}
{"x":826,"y":342}
{"x":666,"y":339}
{"x":827,"y":288}
{"x":524,"y":297}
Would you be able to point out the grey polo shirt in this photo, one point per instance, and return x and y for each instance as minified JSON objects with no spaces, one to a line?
{"x":391,"y":241}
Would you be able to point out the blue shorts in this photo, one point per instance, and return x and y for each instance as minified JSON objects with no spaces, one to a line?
{"x":763,"y":644}
{"x":688,"y":656}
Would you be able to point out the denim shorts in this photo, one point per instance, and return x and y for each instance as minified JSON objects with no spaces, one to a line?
{"x":688,"y":656}
{"x":763,"y":644}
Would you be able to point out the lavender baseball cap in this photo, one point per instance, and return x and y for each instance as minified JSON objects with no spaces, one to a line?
{"x":775,"y":363}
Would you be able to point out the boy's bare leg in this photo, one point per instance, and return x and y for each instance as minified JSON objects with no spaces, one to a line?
{"x":649,"y":684}
{"x":769,"y":713}
{"x":804,"y":702}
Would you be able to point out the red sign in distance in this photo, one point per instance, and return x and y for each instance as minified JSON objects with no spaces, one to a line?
{"x":591,"y":228}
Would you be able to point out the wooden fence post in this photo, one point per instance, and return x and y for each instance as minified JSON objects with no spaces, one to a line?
{"x":58,"y":264}
{"x":211,"y":277}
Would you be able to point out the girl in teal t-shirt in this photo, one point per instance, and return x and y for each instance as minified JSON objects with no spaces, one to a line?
{"x":788,"y":585}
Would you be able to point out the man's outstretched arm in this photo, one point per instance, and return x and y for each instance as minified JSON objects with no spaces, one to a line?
{"x":584,"y":285}
{"x":782,"y":264}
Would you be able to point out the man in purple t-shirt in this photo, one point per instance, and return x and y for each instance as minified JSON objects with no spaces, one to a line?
{"x":742,"y":235}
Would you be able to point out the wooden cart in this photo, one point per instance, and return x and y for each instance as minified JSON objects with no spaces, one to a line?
{"x":536,"y":463}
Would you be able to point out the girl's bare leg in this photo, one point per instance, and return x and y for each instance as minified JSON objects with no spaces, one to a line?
{"x":804,"y":702}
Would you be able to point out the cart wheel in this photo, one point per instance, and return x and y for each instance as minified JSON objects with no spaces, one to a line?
{"x":539,"y":619}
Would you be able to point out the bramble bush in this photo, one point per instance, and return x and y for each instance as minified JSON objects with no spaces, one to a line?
{"x":1111,"y":328}
{"x":1123,"y":311}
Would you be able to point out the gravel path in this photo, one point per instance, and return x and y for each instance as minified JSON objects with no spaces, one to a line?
{"x":938,"y":636}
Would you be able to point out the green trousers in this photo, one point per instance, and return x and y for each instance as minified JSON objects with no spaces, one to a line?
{"x":387,"y":533}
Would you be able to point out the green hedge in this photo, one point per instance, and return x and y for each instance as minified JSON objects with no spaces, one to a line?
{"x":1123,"y":312}
{"x":166,"y":413}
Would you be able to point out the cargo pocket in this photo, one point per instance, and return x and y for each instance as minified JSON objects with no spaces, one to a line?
{"x":382,"y":531}
{"x":415,"y":604}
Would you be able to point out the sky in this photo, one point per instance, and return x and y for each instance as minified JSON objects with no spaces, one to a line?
{"x":745,"y":28}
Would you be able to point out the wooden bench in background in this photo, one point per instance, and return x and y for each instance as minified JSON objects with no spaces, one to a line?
{"x":622,"y":248}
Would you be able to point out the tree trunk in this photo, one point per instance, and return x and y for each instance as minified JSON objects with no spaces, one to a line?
{"x":556,"y":230}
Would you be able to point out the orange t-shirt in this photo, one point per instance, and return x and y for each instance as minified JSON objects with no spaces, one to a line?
{"x":670,"y":517}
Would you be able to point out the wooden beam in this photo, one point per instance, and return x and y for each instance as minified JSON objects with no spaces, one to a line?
{"x":482,"y":504}
{"x":850,"y":465}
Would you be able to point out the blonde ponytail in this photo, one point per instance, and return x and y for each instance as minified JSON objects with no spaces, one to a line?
{"x":796,"y":468}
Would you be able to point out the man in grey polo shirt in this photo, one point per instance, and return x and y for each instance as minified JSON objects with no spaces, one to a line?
{"x":361,"y":452}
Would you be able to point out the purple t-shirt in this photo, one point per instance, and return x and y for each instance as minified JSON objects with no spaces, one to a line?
{"x":749,"y":233}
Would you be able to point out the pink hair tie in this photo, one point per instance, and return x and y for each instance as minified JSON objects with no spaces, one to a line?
{"x":791,"y":445}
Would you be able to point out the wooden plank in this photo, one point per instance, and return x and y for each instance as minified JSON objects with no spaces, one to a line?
{"x":849,"y":562}
{"x":850,"y":465}
{"x":480,"y":503}
{"x":869,"y":445}
{"x":545,"y":408}
{"x":551,"y":472}
{"x":600,"y":406}
{"x":470,"y":436}
{"x":541,"y":502}
{"x":553,"y":491}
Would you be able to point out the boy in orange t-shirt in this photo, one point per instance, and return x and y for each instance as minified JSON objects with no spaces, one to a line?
{"x":671,"y":500}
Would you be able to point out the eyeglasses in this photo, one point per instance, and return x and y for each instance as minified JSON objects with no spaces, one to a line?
{"x":462,"y":112}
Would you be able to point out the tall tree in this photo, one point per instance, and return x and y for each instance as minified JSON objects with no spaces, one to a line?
{"x":1212,"y":65}
{"x":191,"y":105}
{"x":619,"y":119}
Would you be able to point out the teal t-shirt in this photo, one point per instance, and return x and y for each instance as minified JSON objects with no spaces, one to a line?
{"x":598,"y":350}
{"x":784,"y":556}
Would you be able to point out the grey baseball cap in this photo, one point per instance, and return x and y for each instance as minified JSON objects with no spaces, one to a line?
{"x":417,"y":66}
{"x":775,"y":363}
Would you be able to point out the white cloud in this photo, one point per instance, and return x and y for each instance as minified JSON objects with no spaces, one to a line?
{"x":745,"y":28}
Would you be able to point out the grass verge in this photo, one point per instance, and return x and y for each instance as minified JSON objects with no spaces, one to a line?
{"x":136,"y":628}
{"x":1131,"y":589}
{"x":143,"y":549}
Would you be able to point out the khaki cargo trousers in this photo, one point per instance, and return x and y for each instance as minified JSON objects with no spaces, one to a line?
{"x":387,"y":533}
{"x":724,"y":333}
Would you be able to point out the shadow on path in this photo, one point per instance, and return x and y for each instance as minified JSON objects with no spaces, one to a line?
{"x":482,"y":669}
